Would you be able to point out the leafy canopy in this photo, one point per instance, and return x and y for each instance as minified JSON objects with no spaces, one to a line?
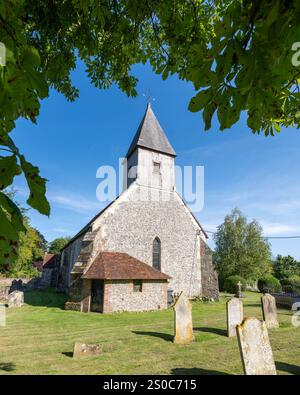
{"x":31,"y":247}
{"x":28,"y":252}
{"x":236,"y":53}
{"x":241,"y":249}
{"x":57,"y":244}
{"x":286,"y":267}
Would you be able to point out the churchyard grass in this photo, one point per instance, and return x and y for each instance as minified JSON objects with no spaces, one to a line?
{"x":39,"y":338}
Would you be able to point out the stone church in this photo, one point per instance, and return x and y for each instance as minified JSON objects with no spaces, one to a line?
{"x":143,"y":247}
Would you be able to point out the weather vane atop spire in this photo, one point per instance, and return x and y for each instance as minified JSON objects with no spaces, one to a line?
{"x":148,"y":97}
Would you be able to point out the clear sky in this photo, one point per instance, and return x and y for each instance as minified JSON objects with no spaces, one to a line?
{"x":259,"y":175}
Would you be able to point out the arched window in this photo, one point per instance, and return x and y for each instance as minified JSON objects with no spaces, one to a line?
{"x":156,"y":253}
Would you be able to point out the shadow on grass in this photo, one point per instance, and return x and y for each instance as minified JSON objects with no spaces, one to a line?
{"x":46,"y":298}
{"x":286,"y":367}
{"x":252,"y":304}
{"x":68,"y":354}
{"x":198,"y":371}
{"x":164,"y":336}
{"x":216,"y":331}
{"x":7,"y":366}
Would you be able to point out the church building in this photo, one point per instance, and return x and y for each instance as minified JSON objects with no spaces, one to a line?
{"x":143,"y":247}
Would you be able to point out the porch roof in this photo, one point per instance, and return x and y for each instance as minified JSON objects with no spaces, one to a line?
{"x":121,"y":266}
{"x":49,"y":261}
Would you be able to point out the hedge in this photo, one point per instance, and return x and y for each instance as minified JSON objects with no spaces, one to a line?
{"x":291,"y":285}
{"x":269,"y":283}
{"x":230,"y":284}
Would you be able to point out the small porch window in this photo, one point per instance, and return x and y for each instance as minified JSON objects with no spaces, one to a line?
{"x":137,"y":286}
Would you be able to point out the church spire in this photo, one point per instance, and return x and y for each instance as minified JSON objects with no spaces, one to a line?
{"x":151,"y":136}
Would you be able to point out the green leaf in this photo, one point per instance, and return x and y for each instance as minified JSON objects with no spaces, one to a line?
{"x":273,"y":13}
{"x":277,"y":127}
{"x":8,"y":142}
{"x":30,"y":58}
{"x":11,"y":224}
{"x":37,"y":187}
{"x":13,"y":212}
{"x":8,"y":170}
{"x":222,"y":116}
{"x":39,"y":83}
{"x":200,"y":100}
{"x":7,"y":230}
{"x":208,"y":113}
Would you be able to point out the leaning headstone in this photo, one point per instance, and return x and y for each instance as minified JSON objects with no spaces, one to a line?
{"x":183,"y":323}
{"x":268,"y":304}
{"x":16,"y":299}
{"x":81,"y":349}
{"x":235,"y":315}
{"x":255,"y":347}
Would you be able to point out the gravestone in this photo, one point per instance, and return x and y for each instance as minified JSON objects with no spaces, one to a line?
{"x":255,"y":347}
{"x":16,"y":299}
{"x":2,"y":314}
{"x":235,"y":315}
{"x":81,"y":349}
{"x":239,"y":293}
{"x":183,"y":323}
{"x":268,"y":304}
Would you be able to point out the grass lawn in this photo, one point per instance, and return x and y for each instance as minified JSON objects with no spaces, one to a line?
{"x":39,"y":338}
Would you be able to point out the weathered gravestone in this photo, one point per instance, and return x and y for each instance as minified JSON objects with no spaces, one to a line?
{"x":2,"y":314}
{"x":81,"y":349}
{"x":268,"y":304}
{"x":255,"y":348}
{"x":239,"y":293}
{"x":183,"y":323}
{"x":16,"y":299}
{"x":235,"y":315}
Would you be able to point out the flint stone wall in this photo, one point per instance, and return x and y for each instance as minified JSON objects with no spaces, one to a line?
{"x":119,"y":296}
{"x":66,"y":262}
{"x":143,"y":214}
{"x":210,"y":282}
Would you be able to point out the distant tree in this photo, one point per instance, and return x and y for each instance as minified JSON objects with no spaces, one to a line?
{"x":43,"y":243}
{"x":285,"y":267}
{"x":31,"y":247}
{"x":28,"y":251}
{"x":57,"y":244}
{"x":241,"y":249}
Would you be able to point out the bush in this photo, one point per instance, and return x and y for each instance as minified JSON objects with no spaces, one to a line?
{"x":230,"y":284}
{"x":291,"y":284}
{"x":269,"y":283}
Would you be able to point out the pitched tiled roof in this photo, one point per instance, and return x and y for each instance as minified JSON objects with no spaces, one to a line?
{"x":49,"y":261}
{"x":121,"y":266}
{"x":38,"y":265}
{"x":151,"y":136}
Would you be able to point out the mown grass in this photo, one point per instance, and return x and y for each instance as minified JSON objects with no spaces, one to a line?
{"x":39,"y":339}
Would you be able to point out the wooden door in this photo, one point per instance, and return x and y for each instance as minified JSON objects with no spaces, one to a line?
{"x":97,"y":295}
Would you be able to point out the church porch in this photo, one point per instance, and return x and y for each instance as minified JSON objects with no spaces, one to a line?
{"x":116,"y":282}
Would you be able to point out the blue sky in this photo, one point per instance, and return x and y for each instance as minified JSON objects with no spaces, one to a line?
{"x":259,"y":175}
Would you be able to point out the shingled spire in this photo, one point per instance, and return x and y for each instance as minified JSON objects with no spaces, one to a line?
{"x":151,"y":136}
